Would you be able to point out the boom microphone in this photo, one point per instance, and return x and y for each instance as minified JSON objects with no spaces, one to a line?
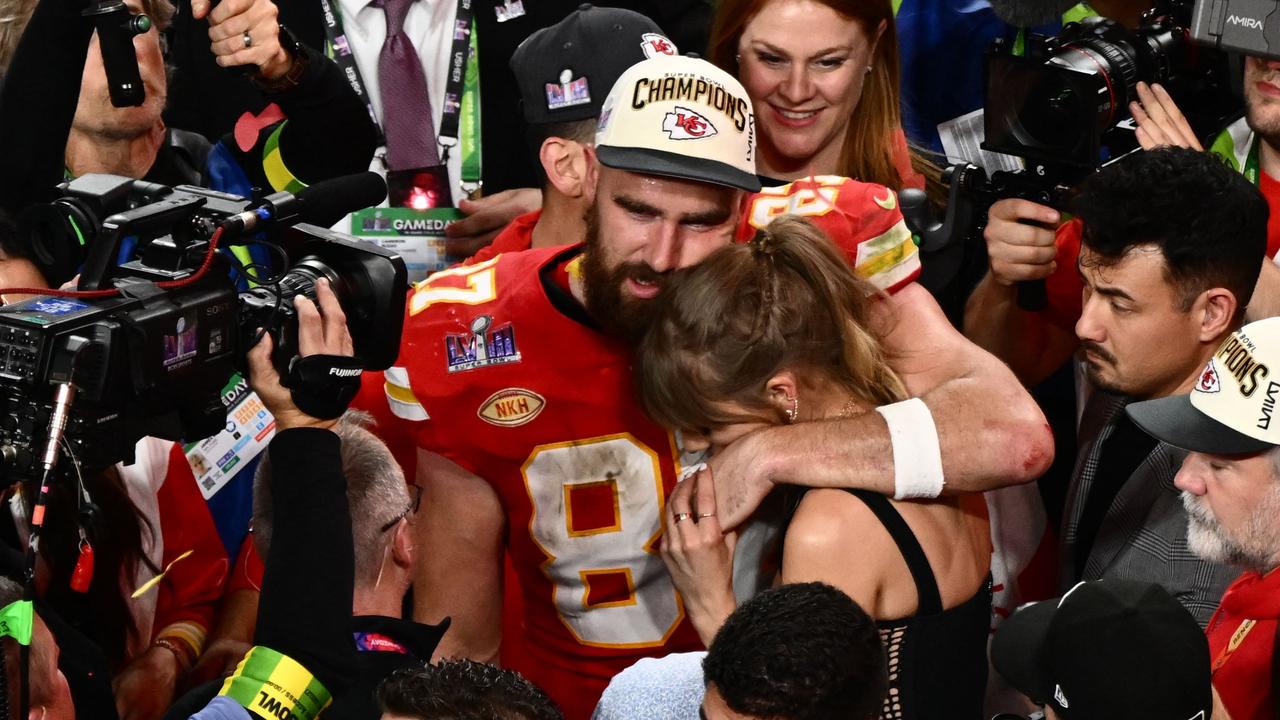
{"x":323,"y":203}
{"x":1031,"y":13}
{"x":116,"y":26}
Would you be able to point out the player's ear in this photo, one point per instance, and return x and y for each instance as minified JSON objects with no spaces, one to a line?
{"x":782,"y":392}
{"x":591,"y":177}
{"x":565,"y":163}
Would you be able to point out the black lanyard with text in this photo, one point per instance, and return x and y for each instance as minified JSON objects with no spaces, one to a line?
{"x":463,"y":26}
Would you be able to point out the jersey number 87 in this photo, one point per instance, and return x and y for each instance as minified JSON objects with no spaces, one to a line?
{"x":596,"y":505}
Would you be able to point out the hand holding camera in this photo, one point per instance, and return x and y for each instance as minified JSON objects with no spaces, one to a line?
{"x":322,"y":331}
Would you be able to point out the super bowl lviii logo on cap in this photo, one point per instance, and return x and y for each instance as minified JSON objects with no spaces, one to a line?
{"x":682,"y":117}
{"x":1232,"y":408}
{"x":568,"y":91}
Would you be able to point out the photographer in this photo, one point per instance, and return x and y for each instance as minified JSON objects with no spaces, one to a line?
{"x":1023,"y":244}
{"x":58,"y":67}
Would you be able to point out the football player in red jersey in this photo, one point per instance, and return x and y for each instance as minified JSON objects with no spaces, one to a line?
{"x":514,"y":378}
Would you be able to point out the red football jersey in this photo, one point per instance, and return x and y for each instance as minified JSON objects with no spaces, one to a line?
{"x":862,"y":219}
{"x":502,"y":373}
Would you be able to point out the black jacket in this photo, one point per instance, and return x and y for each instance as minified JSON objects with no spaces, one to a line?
{"x":307,"y":587}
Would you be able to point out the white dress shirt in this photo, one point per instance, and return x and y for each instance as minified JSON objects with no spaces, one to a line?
{"x":429,"y":26}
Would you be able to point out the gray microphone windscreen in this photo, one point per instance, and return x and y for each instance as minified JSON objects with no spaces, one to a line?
{"x":1031,"y":13}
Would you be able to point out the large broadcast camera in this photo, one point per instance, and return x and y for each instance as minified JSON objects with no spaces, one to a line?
{"x":145,"y":347}
{"x":1062,"y":106}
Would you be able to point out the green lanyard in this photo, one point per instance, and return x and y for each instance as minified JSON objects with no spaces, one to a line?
{"x":1251,"y":162}
{"x":469,"y":127}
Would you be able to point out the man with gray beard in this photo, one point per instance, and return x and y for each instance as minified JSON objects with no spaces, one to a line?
{"x":1230,"y":485}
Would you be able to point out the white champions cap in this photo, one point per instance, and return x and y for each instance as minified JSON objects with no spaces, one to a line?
{"x":1232,"y":410}
{"x":682,"y":117}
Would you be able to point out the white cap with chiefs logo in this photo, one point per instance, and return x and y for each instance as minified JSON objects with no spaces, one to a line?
{"x":682,"y":117}
{"x":1232,"y":409}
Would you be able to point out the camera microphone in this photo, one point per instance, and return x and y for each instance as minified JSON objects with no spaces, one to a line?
{"x":116,"y":26}
{"x":323,"y":203}
{"x":1031,"y":13}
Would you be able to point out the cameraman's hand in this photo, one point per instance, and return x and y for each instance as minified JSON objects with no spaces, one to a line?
{"x":321,"y":331}
{"x":1020,"y":240}
{"x":228,"y":23}
{"x":1159,"y":120}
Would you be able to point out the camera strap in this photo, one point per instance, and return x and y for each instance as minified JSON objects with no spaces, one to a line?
{"x":460,"y":119}
{"x":323,"y":386}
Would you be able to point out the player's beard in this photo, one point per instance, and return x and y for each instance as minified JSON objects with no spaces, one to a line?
{"x":623,"y":317}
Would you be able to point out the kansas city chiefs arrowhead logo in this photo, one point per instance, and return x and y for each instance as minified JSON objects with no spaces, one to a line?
{"x":1208,"y":382}
{"x":653,"y":44}
{"x":685,"y":124}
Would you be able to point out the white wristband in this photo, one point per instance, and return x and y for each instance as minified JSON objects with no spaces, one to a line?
{"x":917,"y":459}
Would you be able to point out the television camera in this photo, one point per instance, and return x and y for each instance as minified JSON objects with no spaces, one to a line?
{"x":146,"y":346}
{"x":1061,"y":104}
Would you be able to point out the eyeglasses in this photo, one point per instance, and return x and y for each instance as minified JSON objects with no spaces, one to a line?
{"x":416,"y":492}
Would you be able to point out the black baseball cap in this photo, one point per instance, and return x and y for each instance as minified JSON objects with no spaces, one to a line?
{"x":1108,"y":650}
{"x":565,"y":71}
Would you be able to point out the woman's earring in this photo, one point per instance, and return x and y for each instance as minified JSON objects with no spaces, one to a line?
{"x":869,"y":67}
{"x":794,"y":412}
{"x":737,"y":58}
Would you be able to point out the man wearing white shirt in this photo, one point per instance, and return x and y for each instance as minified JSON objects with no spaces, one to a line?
{"x":429,"y":25}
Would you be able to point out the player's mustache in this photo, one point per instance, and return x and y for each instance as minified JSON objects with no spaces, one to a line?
{"x":1098,"y":350}
{"x":642,"y":272}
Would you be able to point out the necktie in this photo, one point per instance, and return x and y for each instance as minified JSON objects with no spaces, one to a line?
{"x":407,"y":116}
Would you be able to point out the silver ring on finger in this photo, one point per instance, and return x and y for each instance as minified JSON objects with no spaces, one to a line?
{"x":682,"y":516}
{"x":248,"y":39}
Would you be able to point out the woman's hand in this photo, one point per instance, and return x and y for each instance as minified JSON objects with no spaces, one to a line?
{"x":699,"y":555}
{"x":1159,"y":120}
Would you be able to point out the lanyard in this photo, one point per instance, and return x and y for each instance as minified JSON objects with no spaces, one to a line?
{"x":460,"y":120}
{"x":1251,"y":162}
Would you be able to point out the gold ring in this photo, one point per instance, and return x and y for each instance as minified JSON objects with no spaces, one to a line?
{"x":706,"y":515}
{"x":682,"y":516}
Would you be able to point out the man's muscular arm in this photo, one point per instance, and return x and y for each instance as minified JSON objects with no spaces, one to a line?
{"x":458,"y":569}
{"x":990,"y":431}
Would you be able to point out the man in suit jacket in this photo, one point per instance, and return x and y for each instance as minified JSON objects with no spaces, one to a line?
{"x":1171,"y":246}
{"x":208,"y":99}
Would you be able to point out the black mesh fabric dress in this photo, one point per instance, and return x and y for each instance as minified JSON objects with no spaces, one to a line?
{"x":937,"y":658}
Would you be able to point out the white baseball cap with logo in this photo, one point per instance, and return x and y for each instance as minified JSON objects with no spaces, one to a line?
{"x":681,"y":117}
{"x":1234,"y":408}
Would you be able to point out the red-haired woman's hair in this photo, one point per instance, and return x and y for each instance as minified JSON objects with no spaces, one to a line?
{"x":869,"y":145}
